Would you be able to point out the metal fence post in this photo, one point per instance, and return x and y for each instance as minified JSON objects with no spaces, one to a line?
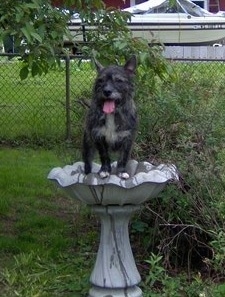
{"x":68,"y":107}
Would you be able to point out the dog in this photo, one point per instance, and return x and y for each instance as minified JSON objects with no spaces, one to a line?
{"x":111,"y":121}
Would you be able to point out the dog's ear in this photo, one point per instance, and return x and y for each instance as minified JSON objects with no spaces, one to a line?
{"x":131,"y":64}
{"x":98,"y":65}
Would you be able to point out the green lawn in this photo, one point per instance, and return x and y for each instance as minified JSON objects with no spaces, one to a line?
{"x":48,"y":242}
{"x":43,"y":250}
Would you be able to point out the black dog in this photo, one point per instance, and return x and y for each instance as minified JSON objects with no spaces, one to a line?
{"x":112,"y":120}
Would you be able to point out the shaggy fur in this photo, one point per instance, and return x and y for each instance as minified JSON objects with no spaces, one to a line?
{"x":111,"y":120}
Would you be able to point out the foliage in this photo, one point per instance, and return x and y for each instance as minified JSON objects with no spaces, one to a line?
{"x":159,"y":283}
{"x":113,"y":43}
{"x":38,"y":30}
{"x":218,"y":245}
{"x":85,"y":6}
{"x":184,"y":128}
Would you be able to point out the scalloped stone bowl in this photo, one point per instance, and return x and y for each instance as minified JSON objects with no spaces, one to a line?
{"x":146,"y":182}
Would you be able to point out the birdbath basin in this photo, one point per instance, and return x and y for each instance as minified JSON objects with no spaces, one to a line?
{"x":114,"y":200}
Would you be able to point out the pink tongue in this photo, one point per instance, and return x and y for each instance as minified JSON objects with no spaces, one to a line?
{"x":109,"y":106}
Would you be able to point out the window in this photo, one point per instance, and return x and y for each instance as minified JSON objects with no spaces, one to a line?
{"x":200,"y":3}
{"x":135,"y":2}
{"x":139,"y":1}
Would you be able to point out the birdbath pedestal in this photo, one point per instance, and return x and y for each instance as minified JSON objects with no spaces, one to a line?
{"x":114,"y":201}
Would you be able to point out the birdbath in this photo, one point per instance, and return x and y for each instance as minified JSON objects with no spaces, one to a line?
{"x":114,"y":200}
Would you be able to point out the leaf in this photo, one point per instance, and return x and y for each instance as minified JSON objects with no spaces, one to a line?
{"x":35,"y":69}
{"x":24,"y":72}
{"x":36,"y":36}
{"x":54,"y":34}
{"x":33,"y":5}
{"x":26,"y":33}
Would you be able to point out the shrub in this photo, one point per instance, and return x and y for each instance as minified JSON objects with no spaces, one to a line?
{"x":181,"y":123}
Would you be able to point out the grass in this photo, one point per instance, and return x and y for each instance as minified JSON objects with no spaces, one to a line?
{"x":48,"y":242}
{"x":42,"y":252}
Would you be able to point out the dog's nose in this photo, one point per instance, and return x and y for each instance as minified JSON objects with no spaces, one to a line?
{"x":107,"y":92}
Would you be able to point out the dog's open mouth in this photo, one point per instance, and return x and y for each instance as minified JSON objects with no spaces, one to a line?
{"x":109,"y":106}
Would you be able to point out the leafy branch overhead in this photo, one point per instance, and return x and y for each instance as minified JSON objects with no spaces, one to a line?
{"x":38,"y":31}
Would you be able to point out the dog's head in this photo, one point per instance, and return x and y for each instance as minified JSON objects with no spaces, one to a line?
{"x":114,"y":85}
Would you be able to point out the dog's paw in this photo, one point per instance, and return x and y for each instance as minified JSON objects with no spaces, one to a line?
{"x":123,"y":175}
{"x":104,"y":174}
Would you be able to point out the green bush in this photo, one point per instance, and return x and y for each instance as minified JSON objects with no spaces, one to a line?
{"x":181,"y":122}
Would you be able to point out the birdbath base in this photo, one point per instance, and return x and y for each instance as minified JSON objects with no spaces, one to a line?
{"x":114,"y":201}
{"x":115,"y":273}
{"x":102,"y":292}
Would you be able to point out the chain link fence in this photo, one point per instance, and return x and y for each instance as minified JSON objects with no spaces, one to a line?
{"x":51,"y":107}
{"x":44,"y":107}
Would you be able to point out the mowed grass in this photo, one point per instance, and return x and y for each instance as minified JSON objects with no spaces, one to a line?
{"x":36,"y":107}
{"x":43,"y":250}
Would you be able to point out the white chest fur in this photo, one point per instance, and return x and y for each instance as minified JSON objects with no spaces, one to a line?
{"x":109,"y":130}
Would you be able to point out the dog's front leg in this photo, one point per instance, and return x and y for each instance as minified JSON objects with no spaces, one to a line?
{"x":87,"y":154}
{"x":125,"y":151}
{"x":104,"y":157}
